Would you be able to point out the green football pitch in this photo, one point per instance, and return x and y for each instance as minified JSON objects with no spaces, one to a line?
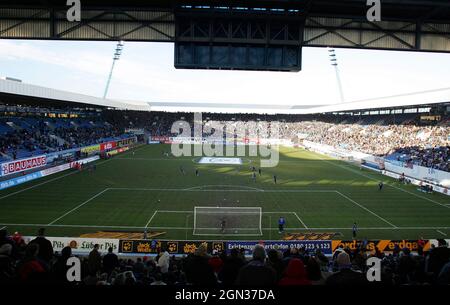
{"x":146,"y":190}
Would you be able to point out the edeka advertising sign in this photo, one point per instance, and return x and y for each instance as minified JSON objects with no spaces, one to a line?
{"x":108,"y":145}
{"x":81,"y":245}
{"x":18,"y":166}
{"x":309,"y":245}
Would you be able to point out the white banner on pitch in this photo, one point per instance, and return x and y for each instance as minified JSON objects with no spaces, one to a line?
{"x":214,"y":160}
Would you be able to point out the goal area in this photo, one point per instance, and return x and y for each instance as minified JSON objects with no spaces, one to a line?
{"x":237,"y":221}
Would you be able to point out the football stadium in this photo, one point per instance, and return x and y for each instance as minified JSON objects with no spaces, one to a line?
{"x":215,"y":193}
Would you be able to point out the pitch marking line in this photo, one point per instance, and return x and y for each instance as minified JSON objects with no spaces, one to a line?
{"x":36,"y":185}
{"x":151,"y":218}
{"x":223,"y":185}
{"x":78,"y":206}
{"x":366,"y":209}
{"x":191,"y":212}
{"x":179,"y":190}
{"x":184,"y":228}
{"x":299,"y":219}
{"x":3,"y":227}
{"x":224,"y":190}
{"x":441,"y":232}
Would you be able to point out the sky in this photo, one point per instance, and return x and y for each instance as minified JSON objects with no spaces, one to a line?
{"x":146,"y":72}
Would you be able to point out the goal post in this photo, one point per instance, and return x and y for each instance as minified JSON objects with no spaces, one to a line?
{"x":237,"y":221}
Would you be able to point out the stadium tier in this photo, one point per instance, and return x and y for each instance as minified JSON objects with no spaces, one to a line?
{"x":345,"y":188}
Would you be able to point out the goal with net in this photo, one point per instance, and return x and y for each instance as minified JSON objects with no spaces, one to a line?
{"x":243,"y":221}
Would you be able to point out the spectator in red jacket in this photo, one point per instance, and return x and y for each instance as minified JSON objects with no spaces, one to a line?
{"x":295,"y":274}
{"x":31,"y":269}
{"x":215,"y":262}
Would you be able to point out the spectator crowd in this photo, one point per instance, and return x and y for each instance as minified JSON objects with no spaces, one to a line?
{"x":406,"y":141}
{"x":37,"y":263}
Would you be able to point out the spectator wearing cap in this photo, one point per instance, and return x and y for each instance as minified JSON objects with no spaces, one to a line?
{"x":256,"y":272}
{"x":295,"y":274}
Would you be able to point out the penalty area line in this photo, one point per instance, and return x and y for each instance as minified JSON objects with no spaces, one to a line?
{"x":184,"y":228}
{"x":366,"y":209}
{"x":439,"y":231}
{"x":151,"y":218}
{"x":299,"y":219}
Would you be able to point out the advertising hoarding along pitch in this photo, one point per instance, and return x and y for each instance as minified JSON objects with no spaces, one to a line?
{"x":18,"y":166}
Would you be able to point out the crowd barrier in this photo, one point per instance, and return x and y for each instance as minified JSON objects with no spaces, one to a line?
{"x":43,"y":173}
{"x":327,"y":247}
{"x":80,"y":245}
{"x":83,"y":246}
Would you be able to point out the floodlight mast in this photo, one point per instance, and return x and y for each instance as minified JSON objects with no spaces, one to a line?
{"x":117,"y":54}
{"x":334,"y":63}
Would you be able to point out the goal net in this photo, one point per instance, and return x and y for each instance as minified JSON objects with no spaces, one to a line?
{"x":227,"y":221}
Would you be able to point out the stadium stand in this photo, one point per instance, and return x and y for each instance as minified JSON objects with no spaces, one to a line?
{"x":36,"y":262}
{"x":407,"y":140}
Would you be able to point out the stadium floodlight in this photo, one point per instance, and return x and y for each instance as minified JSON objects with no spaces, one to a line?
{"x":334,"y":63}
{"x":117,"y":54}
{"x":236,"y":221}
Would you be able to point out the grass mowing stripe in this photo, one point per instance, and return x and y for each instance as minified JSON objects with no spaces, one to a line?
{"x":366,"y":209}
{"x":78,"y":206}
{"x":308,"y":188}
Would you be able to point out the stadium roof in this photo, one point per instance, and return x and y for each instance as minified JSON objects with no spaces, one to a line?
{"x":10,"y":87}
{"x":21,"y":90}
